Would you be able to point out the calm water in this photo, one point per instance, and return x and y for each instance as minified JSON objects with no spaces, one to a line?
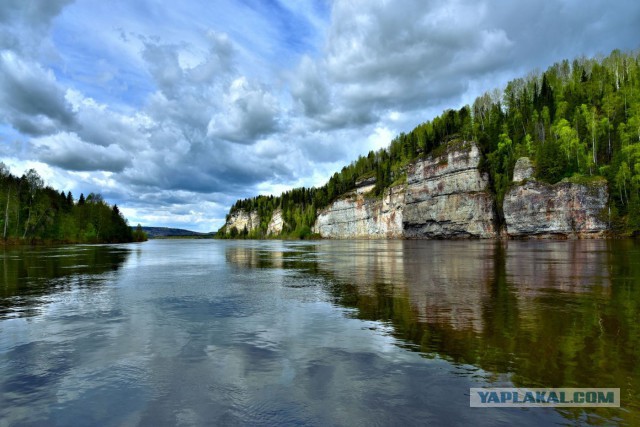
{"x":194,"y":332}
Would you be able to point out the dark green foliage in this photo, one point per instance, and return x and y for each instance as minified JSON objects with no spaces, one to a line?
{"x":138,"y":234}
{"x":31,"y":212}
{"x":551,"y":164}
{"x":579,"y":118}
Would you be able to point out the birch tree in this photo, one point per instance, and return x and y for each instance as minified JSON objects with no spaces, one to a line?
{"x":4,"y":176}
{"x":34,"y":185}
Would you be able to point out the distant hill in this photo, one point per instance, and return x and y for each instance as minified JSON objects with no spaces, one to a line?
{"x":160,"y":232}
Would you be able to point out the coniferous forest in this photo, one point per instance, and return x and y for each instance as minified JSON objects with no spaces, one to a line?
{"x":31,"y":212}
{"x":578,"y":120}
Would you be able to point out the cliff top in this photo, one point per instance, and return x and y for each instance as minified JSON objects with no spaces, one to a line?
{"x":452,"y":146}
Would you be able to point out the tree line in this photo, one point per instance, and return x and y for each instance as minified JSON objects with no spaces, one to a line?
{"x":577,"y":120}
{"x":32,"y":212}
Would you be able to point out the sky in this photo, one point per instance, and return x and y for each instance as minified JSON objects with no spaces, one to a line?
{"x":175,"y":109}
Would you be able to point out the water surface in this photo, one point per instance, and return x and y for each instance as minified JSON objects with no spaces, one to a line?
{"x":192,"y":332}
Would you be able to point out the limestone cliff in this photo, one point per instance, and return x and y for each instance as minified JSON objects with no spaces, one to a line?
{"x":276,"y":224}
{"x":566,"y":209}
{"x":356,"y":215}
{"x":241,"y":219}
{"x":448,"y":196}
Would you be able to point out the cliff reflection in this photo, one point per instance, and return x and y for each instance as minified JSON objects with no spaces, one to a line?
{"x":248,"y":255}
{"x":547,"y":314}
{"x":438,"y":285}
{"x":27,"y":274}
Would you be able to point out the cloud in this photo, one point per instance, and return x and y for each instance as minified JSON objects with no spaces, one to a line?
{"x":177,"y":70}
{"x":380,"y":138}
{"x":24,"y":24}
{"x":220,"y":59}
{"x":68,"y":151}
{"x":311,"y":89}
{"x":379,"y":56}
{"x":165,"y":67}
{"x":35,"y":13}
{"x":98,"y":124}
{"x":210,"y":100}
{"x":249,"y":112}
{"x":30,"y":98}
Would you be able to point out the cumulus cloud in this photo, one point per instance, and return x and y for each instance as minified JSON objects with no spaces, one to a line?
{"x":98,"y":124}
{"x":31,"y":99}
{"x":248,"y":113}
{"x":165,"y":67}
{"x":311,"y":89}
{"x":68,"y":151}
{"x":24,"y":24}
{"x":379,"y":56}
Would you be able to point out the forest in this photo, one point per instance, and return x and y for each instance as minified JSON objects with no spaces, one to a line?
{"x":577,"y":120}
{"x":31,"y":212}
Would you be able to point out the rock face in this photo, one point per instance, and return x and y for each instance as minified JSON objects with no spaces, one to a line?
{"x":448,"y":197}
{"x":523,"y":169}
{"x":241,"y":219}
{"x":565,"y":209}
{"x":276,"y":224}
{"x":358,"y":216}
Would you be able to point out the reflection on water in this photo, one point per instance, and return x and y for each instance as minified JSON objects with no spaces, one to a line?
{"x":545,"y":313}
{"x":29,"y":274}
{"x":199,"y":332}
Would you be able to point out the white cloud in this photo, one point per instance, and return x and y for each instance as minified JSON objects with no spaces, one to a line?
{"x":24,"y":25}
{"x":380,"y":138}
{"x":67,"y":151}
{"x":20,"y":167}
{"x":30,"y":98}
{"x":248,"y":113}
{"x":310,"y":88}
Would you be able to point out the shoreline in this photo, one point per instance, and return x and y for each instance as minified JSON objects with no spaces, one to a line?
{"x":542,"y":237}
{"x":10,"y":243}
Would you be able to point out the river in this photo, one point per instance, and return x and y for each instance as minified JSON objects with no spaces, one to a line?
{"x":205,"y":332}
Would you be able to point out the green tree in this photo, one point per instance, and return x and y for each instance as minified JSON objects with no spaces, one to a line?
{"x":139,"y":235}
{"x":34,"y":184}
{"x":5,"y":174}
{"x":622,"y":179}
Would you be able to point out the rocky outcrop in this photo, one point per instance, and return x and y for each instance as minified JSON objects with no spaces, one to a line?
{"x":242,"y":219}
{"x":565,"y":210}
{"x":357,"y":215}
{"x":448,"y":196}
{"x":276,"y":224}
{"x":523,"y":169}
